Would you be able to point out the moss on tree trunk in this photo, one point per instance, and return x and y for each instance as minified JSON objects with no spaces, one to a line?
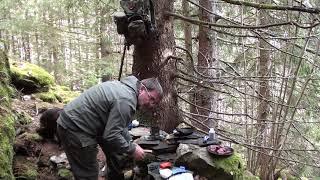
{"x":6,"y":120}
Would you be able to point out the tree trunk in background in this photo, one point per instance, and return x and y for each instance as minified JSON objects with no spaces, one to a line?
{"x":102,"y":29}
{"x":187,"y":28}
{"x":37,"y":49}
{"x":147,"y":58}
{"x":53,"y":61}
{"x":26,"y":42}
{"x":205,"y":58}
{"x":263,"y":107}
{"x":26,"y":47}
{"x":13,"y":45}
{"x":188,"y":43}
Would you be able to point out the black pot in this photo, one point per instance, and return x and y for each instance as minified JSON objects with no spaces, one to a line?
{"x":184,"y":131}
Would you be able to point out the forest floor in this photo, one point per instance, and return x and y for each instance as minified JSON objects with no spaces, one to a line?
{"x":32,"y":153}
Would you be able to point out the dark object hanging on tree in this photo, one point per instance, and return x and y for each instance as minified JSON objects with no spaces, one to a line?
{"x":137,"y":22}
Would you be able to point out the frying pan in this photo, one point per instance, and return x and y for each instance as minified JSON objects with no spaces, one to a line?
{"x":220,"y":150}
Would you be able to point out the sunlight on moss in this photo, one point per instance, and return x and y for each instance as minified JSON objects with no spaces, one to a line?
{"x":25,"y":70}
{"x":47,"y":96}
{"x":64,"y":94}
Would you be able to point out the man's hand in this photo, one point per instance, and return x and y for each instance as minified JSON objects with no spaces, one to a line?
{"x":138,"y":153}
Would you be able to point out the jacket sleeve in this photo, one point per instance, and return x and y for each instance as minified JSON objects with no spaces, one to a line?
{"x":116,"y":130}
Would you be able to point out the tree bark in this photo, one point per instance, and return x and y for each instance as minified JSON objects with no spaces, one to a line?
{"x":147,"y":59}
{"x":205,"y":60}
{"x":263,"y":107}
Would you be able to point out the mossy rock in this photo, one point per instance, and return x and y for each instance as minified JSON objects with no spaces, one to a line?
{"x":49,"y":96}
{"x":64,"y":94}
{"x":31,"y":137}
{"x":232,"y":164}
{"x":58,"y":93}
{"x":65,"y":174}
{"x":199,"y":160}
{"x":7,"y":132}
{"x":24,"y":168}
{"x":30,"y":78}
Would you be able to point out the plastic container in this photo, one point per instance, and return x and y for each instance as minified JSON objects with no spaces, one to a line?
{"x":212,"y":134}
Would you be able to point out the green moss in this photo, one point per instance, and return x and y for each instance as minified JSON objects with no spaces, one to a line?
{"x":64,"y":94}
{"x":32,"y":136}
{"x":25,"y":70}
{"x":6,"y":151}
{"x":232,"y":165}
{"x":65,"y":173}
{"x":4,"y":95}
{"x":7,"y":131}
{"x":47,"y":96}
{"x":57,"y":93}
{"x":61,"y":88}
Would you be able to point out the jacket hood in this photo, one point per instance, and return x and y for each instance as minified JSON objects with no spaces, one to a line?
{"x":132,"y":82}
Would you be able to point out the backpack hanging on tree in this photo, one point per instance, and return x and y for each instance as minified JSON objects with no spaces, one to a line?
{"x":137,"y":22}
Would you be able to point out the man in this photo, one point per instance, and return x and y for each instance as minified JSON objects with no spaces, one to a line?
{"x":101,"y":115}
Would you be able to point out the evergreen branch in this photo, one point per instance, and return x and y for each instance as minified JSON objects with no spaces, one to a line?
{"x":199,"y":22}
{"x":274,"y":7}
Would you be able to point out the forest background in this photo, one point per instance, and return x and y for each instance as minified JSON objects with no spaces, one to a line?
{"x":248,"y":68}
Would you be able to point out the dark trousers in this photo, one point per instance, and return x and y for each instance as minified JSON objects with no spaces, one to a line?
{"x":83,"y":160}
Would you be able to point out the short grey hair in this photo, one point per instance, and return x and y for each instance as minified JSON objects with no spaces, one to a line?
{"x":153,"y":84}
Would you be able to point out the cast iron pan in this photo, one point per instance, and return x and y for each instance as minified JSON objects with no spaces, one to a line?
{"x":184,"y":131}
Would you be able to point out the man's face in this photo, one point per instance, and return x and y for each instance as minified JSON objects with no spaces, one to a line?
{"x":147,"y":99}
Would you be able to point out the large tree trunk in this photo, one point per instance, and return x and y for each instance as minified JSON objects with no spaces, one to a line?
{"x":263,"y":107}
{"x":205,"y":61}
{"x":147,"y":59}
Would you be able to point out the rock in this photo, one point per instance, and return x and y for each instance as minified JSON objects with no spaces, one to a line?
{"x":200,"y":161}
{"x":30,"y":78}
{"x":61,"y":159}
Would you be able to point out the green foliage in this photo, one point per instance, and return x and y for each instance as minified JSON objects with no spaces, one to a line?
{"x":65,"y":173}
{"x":23,"y":118}
{"x":90,"y":81}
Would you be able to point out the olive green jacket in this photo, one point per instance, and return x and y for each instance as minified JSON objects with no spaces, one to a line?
{"x":104,"y":112}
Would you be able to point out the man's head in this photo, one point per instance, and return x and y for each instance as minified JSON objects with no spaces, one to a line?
{"x":150,"y":93}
